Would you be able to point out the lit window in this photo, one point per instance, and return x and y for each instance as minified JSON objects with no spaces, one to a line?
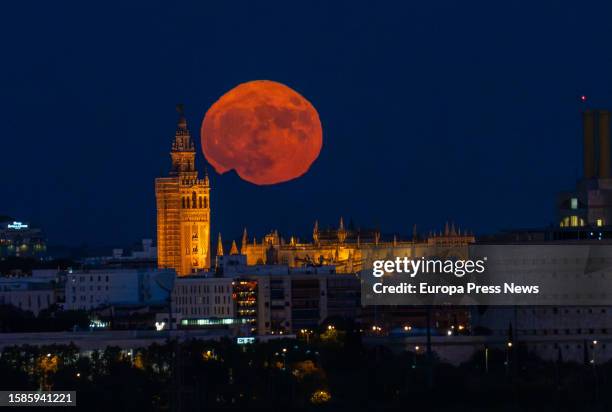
{"x":574,"y":203}
{"x":573,"y":221}
{"x":565,"y":222}
{"x":600,"y":222}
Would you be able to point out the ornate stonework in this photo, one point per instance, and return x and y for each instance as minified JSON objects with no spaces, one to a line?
{"x":183,"y":209}
{"x":348,"y":249}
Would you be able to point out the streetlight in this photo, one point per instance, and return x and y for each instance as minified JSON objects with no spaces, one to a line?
{"x":306,"y":332}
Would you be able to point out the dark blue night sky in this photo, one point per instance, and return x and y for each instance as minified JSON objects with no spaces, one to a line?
{"x":431,"y":111}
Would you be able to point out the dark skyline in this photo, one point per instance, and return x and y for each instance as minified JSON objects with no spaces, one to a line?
{"x":430,"y":112}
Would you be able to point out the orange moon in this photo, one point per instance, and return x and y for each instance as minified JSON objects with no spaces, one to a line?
{"x":264,"y":130}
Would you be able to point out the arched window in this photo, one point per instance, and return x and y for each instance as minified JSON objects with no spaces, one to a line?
{"x":200,"y":202}
{"x":193,"y":200}
{"x":205,"y":202}
{"x":183,"y":202}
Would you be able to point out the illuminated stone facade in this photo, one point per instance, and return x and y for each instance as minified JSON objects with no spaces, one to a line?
{"x":348,"y":249}
{"x":183,"y":210}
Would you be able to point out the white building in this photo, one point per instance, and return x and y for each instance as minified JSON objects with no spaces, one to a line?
{"x":557,"y":327}
{"x":89,"y":289}
{"x":203,"y":297}
{"x":28,"y":294}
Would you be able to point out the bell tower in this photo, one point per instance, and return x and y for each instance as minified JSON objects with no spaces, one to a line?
{"x":183,"y":209}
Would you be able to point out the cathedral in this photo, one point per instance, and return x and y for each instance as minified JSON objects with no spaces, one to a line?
{"x":183,"y":229}
{"x":183,"y":209}
{"x":351,"y":250}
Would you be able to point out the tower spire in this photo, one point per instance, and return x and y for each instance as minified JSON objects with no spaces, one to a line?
{"x":219,"y":246}
{"x":315,"y":232}
{"x":234,"y":249}
{"x":182,"y":137}
{"x":341,"y":231}
{"x":245,"y":242}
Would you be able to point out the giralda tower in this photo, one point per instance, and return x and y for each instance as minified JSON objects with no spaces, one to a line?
{"x":183,"y":209}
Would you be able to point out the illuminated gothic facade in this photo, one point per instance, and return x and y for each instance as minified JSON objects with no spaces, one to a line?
{"x":183,"y":209}
{"x":350,"y":250}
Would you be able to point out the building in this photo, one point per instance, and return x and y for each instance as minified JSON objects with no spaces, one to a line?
{"x":578,"y":245}
{"x":203,"y":297}
{"x":588,"y":208}
{"x":143,"y":255}
{"x":89,"y":289}
{"x":349,"y":249}
{"x":21,"y":239}
{"x":264,"y":299}
{"x":303,"y":298}
{"x":183,"y":209}
{"x":28,"y":294}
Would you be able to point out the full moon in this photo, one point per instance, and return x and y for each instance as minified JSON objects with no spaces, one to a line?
{"x":265,"y":131}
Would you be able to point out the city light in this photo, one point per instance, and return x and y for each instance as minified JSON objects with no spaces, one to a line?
{"x":401,"y":150}
{"x":17,"y":226}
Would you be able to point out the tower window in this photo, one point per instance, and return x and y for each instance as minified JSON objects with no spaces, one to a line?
{"x":200,"y":202}
{"x":193,"y":200}
{"x":183,"y":203}
{"x":574,"y":203}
